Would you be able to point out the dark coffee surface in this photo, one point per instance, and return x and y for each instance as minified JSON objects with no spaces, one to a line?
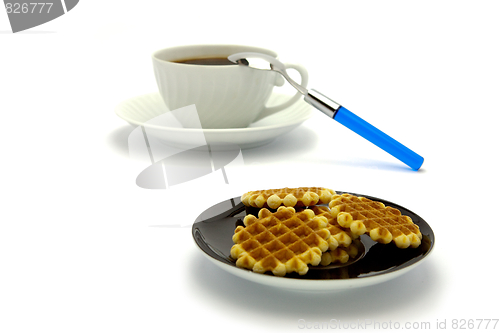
{"x":206,"y":61}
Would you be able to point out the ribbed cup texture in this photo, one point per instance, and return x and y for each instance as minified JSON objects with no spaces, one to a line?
{"x":225,"y":96}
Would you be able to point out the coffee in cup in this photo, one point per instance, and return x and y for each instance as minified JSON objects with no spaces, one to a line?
{"x":225,"y":94}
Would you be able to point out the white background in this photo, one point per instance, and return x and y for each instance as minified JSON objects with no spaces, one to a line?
{"x":82,"y":248}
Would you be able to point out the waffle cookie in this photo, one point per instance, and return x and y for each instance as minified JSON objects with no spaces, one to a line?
{"x":340,"y":254}
{"x":384,"y":224}
{"x":282,"y":242}
{"x":341,"y":248}
{"x":289,"y":197}
{"x":338,"y":235}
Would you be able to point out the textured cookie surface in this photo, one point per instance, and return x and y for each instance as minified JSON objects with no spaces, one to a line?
{"x":341,"y":246}
{"x":289,"y":197}
{"x":384,"y":224}
{"x":282,"y":242}
{"x":339,"y":236}
{"x":341,"y":254}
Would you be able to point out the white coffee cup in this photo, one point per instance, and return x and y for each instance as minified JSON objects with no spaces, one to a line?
{"x":226,"y":96}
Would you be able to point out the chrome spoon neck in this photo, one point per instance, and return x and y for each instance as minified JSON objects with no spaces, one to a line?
{"x":297,"y":86}
{"x":322,"y":103}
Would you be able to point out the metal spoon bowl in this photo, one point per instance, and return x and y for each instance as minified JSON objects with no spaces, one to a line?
{"x":265,"y":62}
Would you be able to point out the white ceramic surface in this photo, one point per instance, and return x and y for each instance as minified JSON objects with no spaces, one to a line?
{"x":226,"y":96}
{"x":311,"y":285}
{"x":141,"y":109}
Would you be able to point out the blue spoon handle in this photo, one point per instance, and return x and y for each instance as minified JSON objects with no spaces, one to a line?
{"x":364,"y":129}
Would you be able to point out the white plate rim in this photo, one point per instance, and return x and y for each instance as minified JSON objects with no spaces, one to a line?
{"x":313,"y":285}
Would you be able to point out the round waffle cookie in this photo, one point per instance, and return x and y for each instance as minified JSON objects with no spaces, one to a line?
{"x":340,"y":254}
{"x":383,"y":223}
{"x":341,"y":248}
{"x":282,"y":242}
{"x":289,"y":197}
{"x":338,"y":235}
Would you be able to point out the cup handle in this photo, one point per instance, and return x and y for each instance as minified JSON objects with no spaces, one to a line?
{"x":304,"y":78}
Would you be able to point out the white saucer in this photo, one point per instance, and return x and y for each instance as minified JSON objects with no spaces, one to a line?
{"x":141,"y":109}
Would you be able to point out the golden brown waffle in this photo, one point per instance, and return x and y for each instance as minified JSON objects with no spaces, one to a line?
{"x":338,"y":235}
{"x":383,"y":224}
{"x":340,"y":254}
{"x":280,"y":242}
{"x":289,"y":197}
